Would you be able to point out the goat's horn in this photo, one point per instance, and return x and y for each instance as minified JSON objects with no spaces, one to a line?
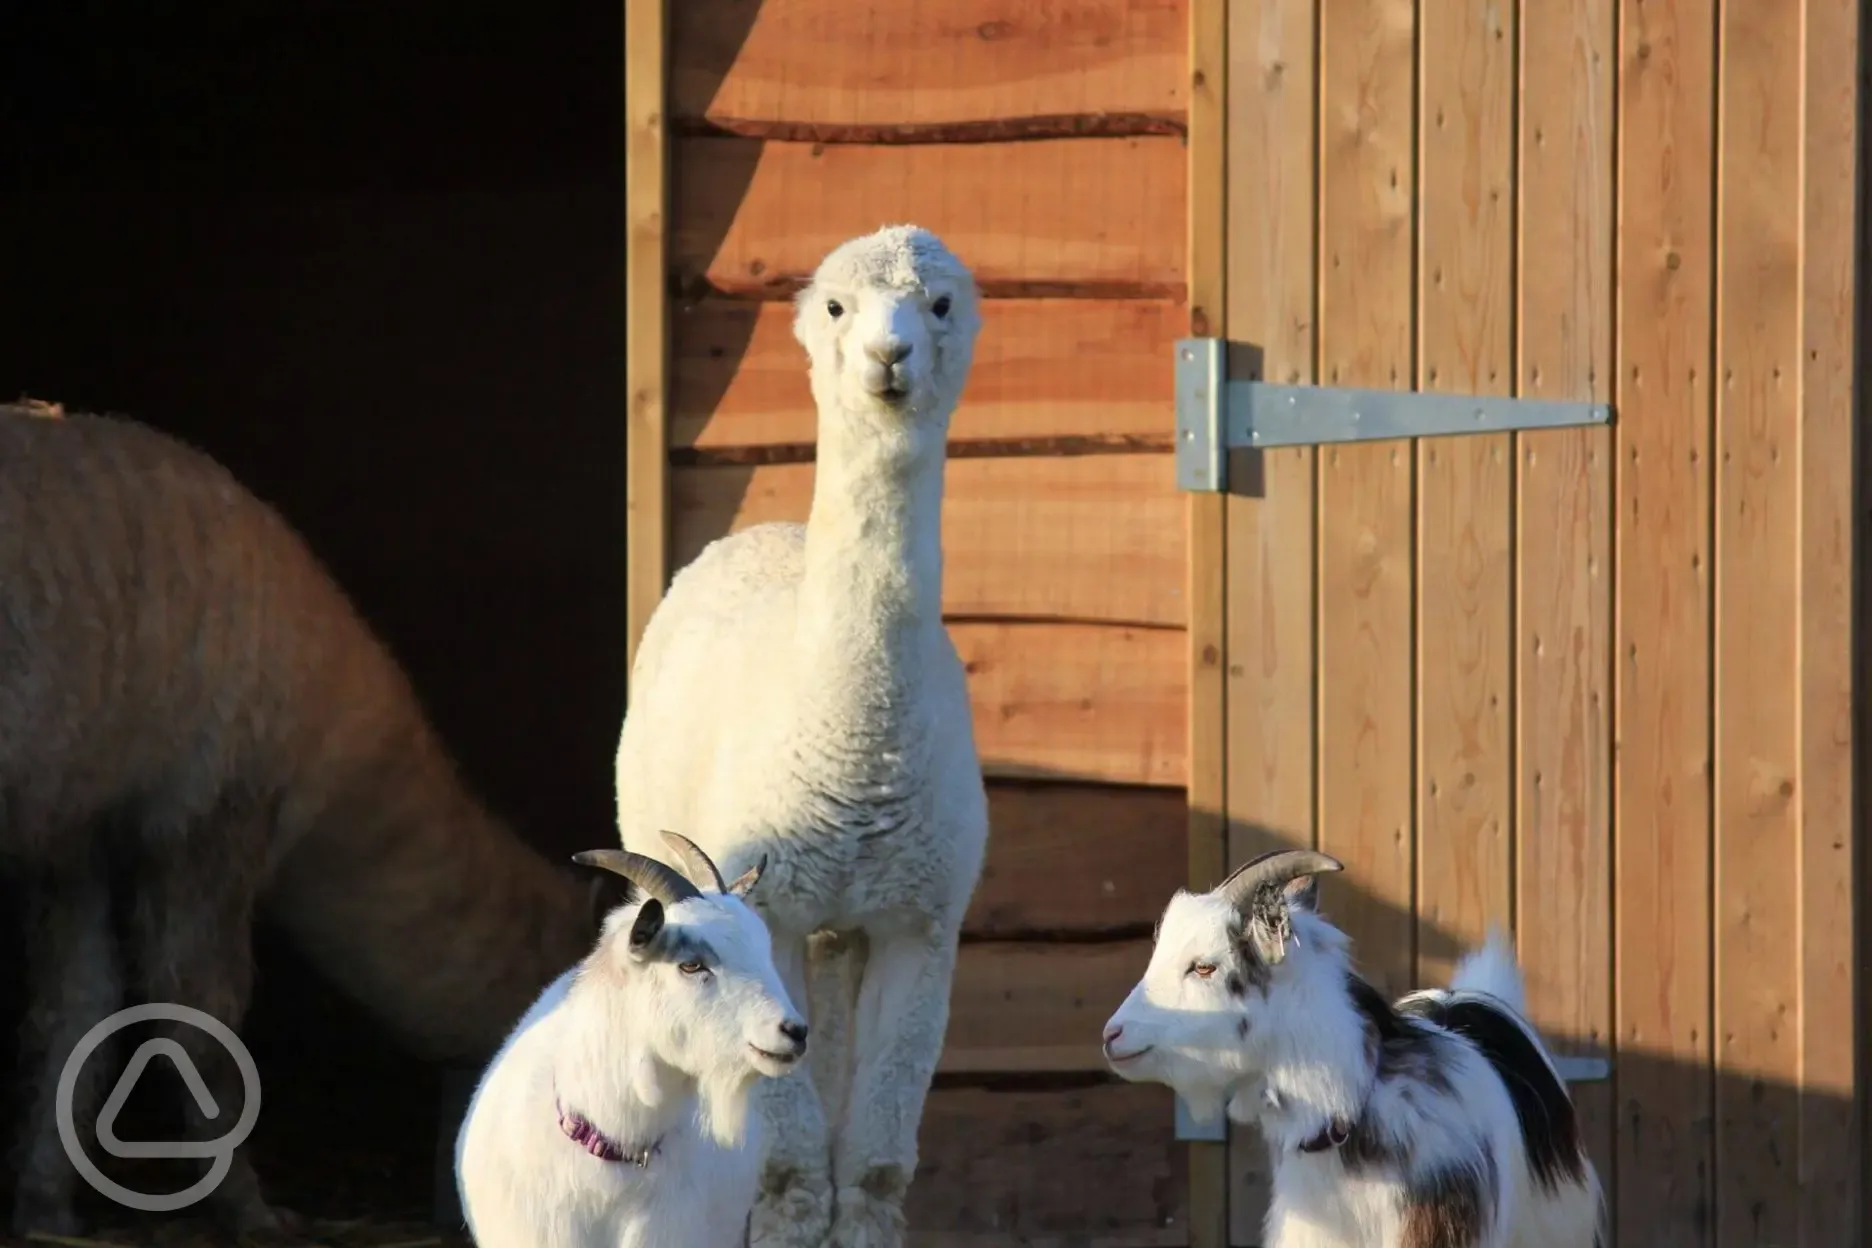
{"x":658,"y":879}
{"x":700,"y":866}
{"x":1273,"y":870}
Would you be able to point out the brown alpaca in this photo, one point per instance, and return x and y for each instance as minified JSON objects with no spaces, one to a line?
{"x":189,"y":704}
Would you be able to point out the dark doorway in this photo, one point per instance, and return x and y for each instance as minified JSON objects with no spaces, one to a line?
{"x":370,"y":256}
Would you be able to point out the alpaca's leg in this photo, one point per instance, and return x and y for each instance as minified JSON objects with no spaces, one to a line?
{"x":191,"y":934}
{"x":903,"y":1010}
{"x":73,"y":982}
{"x":834,"y":963}
{"x":794,"y":1205}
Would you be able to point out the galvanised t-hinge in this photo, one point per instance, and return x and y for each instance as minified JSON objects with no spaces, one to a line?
{"x":1215,"y":414}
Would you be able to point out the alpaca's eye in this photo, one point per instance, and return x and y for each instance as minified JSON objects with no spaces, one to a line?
{"x":692,"y":968}
{"x":1202,"y":970}
{"x":941,"y":307}
{"x":834,"y":308}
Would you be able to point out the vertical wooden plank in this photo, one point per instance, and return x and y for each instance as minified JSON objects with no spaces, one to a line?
{"x":1272,"y":283}
{"x":1465,"y":309}
{"x":1563,"y":535}
{"x":1367,"y":189}
{"x":646,"y":312}
{"x":1208,"y":549}
{"x":1758,"y":575}
{"x":1661,"y":776}
{"x":1831,"y":1150}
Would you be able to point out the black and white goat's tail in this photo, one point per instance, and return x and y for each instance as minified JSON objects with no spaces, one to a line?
{"x":1486,"y":1002}
{"x":1492,"y":969}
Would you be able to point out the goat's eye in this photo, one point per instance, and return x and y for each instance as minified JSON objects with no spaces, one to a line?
{"x":834,"y":309}
{"x":941,"y":307}
{"x":1202,"y":970}
{"x":692,"y":967}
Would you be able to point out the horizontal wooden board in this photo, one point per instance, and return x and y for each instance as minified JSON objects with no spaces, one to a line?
{"x":1072,"y":701}
{"x":1043,"y":368}
{"x":1021,"y":1006}
{"x":1089,"y":537}
{"x":1092,"y":1167}
{"x":1076,"y":216}
{"x":840,"y":63}
{"x":1077,"y":858}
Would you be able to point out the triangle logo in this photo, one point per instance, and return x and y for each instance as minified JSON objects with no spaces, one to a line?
{"x":126,"y":1083}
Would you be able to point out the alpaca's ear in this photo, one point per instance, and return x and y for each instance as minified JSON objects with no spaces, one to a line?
{"x":644,"y":928}
{"x":803,"y":304}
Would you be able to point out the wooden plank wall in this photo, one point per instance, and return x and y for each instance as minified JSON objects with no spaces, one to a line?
{"x":1045,"y":143}
{"x":1593,"y":684}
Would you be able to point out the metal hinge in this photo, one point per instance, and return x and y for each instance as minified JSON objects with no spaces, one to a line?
{"x":1187,"y":1128}
{"x":1216,"y":415}
{"x":1583,"y":1069}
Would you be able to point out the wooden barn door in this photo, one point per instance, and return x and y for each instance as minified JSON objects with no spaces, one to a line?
{"x":1593,"y":684}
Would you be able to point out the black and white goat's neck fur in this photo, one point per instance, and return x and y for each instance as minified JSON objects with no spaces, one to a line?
{"x":1438,"y":1121}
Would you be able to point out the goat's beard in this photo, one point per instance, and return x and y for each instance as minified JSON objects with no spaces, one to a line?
{"x":723,"y":1098}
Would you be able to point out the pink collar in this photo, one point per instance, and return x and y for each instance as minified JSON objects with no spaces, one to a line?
{"x":580,"y":1131}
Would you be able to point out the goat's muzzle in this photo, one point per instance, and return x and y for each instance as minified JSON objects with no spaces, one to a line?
{"x":790,"y":1048}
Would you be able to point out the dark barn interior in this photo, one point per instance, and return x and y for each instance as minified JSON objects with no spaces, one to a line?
{"x":369,"y":256}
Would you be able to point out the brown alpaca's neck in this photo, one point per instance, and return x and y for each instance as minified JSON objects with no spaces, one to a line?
{"x":426,"y":909}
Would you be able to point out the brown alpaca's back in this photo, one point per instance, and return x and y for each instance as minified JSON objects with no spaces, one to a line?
{"x":162,"y":633}
{"x":189,"y":702}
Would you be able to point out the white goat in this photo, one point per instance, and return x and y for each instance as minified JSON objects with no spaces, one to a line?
{"x":615,"y":1115}
{"x":1437,"y":1122}
{"x":844,"y":747}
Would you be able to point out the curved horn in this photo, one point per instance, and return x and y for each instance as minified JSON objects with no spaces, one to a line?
{"x":659,"y":880}
{"x":1273,"y":870}
{"x":700,"y":866}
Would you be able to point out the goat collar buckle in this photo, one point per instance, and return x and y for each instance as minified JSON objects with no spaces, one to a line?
{"x":1332,"y":1135}
{"x":580,"y":1130}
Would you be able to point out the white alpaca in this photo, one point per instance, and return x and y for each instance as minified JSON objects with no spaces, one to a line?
{"x":797,"y":696}
{"x":615,"y":1115}
{"x":1437,"y":1122}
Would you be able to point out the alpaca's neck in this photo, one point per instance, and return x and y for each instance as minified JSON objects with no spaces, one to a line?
{"x":1315,"y":1066}
{"x":871,"y":598}
{"x":604,"y":1070}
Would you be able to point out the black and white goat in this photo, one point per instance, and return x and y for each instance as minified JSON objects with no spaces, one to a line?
{"x":1439,"y":1121}
{"x":616,"y":1115}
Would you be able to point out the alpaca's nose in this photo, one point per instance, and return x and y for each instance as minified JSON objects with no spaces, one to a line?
{"x":891,"y":351}
{"x":794,"y":1031}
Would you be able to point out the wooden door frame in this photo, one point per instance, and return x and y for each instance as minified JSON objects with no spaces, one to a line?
{"x":1208,"y":552}
{"x":646,"y":316}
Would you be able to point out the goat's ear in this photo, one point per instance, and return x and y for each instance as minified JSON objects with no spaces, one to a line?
{"x":607,"y":893}
{"x":745,"y":882}
{"x":644,"y":928}
{"x":1270,"y":923}
{"x":1268,"y":929}
{"x":1303,"y":893}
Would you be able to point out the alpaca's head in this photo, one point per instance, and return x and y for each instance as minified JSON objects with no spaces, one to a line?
{"x":889,"y":322}
{"x":1231,"y":970}
{"x":695,"y":967}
